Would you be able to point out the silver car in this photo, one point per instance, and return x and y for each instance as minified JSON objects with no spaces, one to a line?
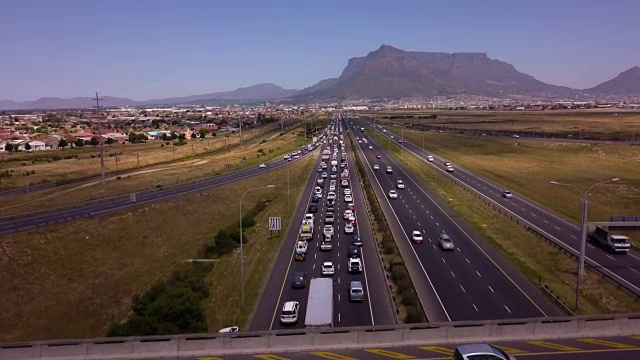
{"x":480,"y":351}
{"x":445,"y":242}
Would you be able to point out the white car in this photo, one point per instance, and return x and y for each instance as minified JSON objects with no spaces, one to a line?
{"x":347,"y":214}
{"x":348,"y":229}
{"x":393,"y":194}
{"x":289,"y":314}
{"x":348,"y":198}
{"x":263,"y":165}
{"x":328,"y":230}
{"x":446,"y":163}
{"x":324,"y":175}
{"x":347,"y":191}
{"x":301,"y":247}
{"x":354,"y":265}
{"x":230,"y":329}
{"x":332,"y":188}
{"x":450,"y":168}
{"x":327,"y":268}
{"x":400,"y":184}
{"x":507,"y":194}
{"x":416,"y":236}
{"x":376,"y":167}
{"x":331,"y":195}
{"x":430,"y":158}
{"x":317,"y":191}
{"x":370,"y":147}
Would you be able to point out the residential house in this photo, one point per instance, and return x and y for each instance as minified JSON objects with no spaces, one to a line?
{"x":2,"y":145}
{"x":37,"y":145}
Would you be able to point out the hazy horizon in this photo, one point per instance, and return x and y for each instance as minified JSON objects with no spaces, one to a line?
{"x":154,"y":49}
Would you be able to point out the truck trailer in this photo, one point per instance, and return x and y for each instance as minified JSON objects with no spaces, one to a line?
{"x":618,"y":244}
{"x":320,"y":305}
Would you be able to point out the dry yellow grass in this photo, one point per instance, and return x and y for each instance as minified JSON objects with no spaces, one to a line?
{"x":73,"y":280}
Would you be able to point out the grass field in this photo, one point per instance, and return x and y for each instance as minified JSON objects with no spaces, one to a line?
{"x":527,"y":166}
{"x":149,"y":178}
{"x":546,"y":264}
{"x":73,"y":280}
{"x":604,"y":121}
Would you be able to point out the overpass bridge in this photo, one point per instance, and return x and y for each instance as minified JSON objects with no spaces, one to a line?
{"x":213,"y":345}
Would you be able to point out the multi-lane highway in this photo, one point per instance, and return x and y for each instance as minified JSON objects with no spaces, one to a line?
{"x":624,"y":269}
{"x":377,"y":308}
{"x":30,"y":221}
{"x":470,"y":282}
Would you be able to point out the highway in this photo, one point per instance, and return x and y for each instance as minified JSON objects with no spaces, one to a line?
{"x":472,"y":282}
{"x":376,"y":309}
{"x":623,"y":269}
{"x":27,"y":222}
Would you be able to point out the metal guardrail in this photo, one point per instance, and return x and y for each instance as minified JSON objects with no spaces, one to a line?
{"x":329,"y":338}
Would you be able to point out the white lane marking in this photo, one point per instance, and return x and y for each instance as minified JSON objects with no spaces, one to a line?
{"x":634,"y":270}
{"x":611,"y":257}
{"x":338,"y":297}
{"x":478,"y":273}
{"x":438,"y":225}
{"x":454,"y":275}
{"x":314,"y":266}
{"x":573,"y":236}
{"x":474,"y":306}
{"x":465,"y":291}
{"x":443,"y":261}
{"x":468,"y":260}
{"x":545,"y":221}
{"x":338,"y":317}
{"x":556,"y":227}
{"x":490,"y":288}
{"x":338,"y":280}
{"x":507,"y":309}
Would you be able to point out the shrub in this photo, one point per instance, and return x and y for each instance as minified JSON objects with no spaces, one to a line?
{"x":389,"y":247}
{"x":403,"y":285}
{"x":409,"y":298}
{"x":413,"y":315}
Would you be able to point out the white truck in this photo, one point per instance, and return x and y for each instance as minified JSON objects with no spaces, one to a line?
{"x":320,"y":304}
{"x":306,"y":230}
{"x":618,"y":244}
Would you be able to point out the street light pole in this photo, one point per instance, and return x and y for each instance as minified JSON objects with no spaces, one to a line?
{"x":241,"y":252}
{"x":583,"y":230}
{"x":402,"y":132}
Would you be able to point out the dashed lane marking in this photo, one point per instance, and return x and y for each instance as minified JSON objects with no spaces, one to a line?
{"x":438,"y":349}
{"x":332,"y":356}
{"x":612,"y":344}
{"x":391,"y":354}
{"x":554,"y":346}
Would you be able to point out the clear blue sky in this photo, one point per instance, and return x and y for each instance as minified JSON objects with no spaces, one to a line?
{"x":156,"y":48}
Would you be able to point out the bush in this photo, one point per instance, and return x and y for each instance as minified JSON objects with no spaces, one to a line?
{"x":404,"y":285}
{"x":409,"y":298}
{"x":399,"y":272}
{"x":389,"y":247}
{"x":263,"y":141}
{"x":413,"y":315}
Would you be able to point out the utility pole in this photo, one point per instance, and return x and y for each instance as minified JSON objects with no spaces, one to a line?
{"x":102,"y":172}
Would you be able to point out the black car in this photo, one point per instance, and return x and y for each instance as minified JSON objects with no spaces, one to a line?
{"x":299,"y":257}
{"x":357,"y":241}
{"x":354,"y":251}
{"x":315,"y":199}
{"x":298,"y":280}
{"x":331,"y":208}
{"x":313,"y":208}
{"x":331,"y":202}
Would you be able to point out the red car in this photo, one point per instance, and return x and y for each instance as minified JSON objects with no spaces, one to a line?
{"x":379,"y":156}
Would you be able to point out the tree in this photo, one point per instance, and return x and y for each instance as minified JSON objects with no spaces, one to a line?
{"x":79,"y":142}
{"x":109,"y":141}
{"x":94,"y":142}
{"x":174,"y":135}
{"x":8,"y":147}
{"x":62,"y":143}
{"x":27,"y":146}
{"x":164,"y":137}
{"x":132,"y":137}
{"x":193,"y":135}
{"x":203,"y":132}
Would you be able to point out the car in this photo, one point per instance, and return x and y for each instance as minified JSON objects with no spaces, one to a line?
{"x":351,"y":206}
{"x":298,"y":280}
{"x":300,"y":256}
{"x":329,"y":218}
{"x":370,"y":147}
{"x":348,"y":229}
{"x":318,"y":190}
{"x":393,"y":194}
{"x":320,"y":182}
{"x":309,"y":217}
{"x":356,"y":291}
{"x":446,"y":163}
{"x":400,"y":184}
{"x":301,"y":247}
{"x":320,"y":169}
{"x":450,"y":168}
{"x":516,"y":136}
{"x":389,"y":170}
{"x":507,"y":194}
{"x":331,"y":202}
{"x":344,"y":183}
{"x":328,"y":230}
{"x":480,"y":351}
{"x":315,"y":199}
{"x":331,"y":195}
{"x":356,"y":241}
{"x":352,"y":221}
{"x":354,"y":265}
{"x":263,"y":165}
{"x":445,"y":242}
{"x":334,"y":176}
{"x":430,"y":158}
{"x":289,"y":314}
{"x":327,"y":268}
{"x":334,"y":169}
{"x":313,"y":208}
{"x":347,"y":214}
{"x":376,"y":167}
{"x":324,"y":175}
{"x":331,"y":208}
{"x":230,"y":329}
{"x":353,"y":251}
{"x":378,"y":156}
{"x":348,"y":198}
{"x":347,"y":191}
{"x":332,"y":188}
{"x":416,"y":237}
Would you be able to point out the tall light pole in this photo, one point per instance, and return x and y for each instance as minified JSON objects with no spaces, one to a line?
{"x":403,"y":126}
{"x":102,"y":170}
{"x":241,"y":253}
{"x":583,"y":234}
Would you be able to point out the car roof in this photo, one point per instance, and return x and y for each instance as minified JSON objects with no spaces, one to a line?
{"x":445,"y":236}
{"x":417,"y":232}
{"x":327,"y":263}
{"x":289,"y":305}
{"x":469,"y":349}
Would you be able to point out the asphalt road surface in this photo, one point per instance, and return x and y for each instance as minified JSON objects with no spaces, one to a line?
{"x":623,"y":269}
{"x":30,"y":221}
{"x":376,"y":309}
{"x":471,"y":282}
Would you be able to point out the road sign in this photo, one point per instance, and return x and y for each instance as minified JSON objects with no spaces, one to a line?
{"x":132,"y":197}
{"x":275,"y":223}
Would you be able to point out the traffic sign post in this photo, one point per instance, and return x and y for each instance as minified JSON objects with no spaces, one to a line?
{"x":275,"y":223}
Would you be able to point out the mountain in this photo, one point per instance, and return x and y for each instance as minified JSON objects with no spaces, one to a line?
{"x":389,"y":72}
{"x":254,"y":92}
{"x":627,"y":82}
